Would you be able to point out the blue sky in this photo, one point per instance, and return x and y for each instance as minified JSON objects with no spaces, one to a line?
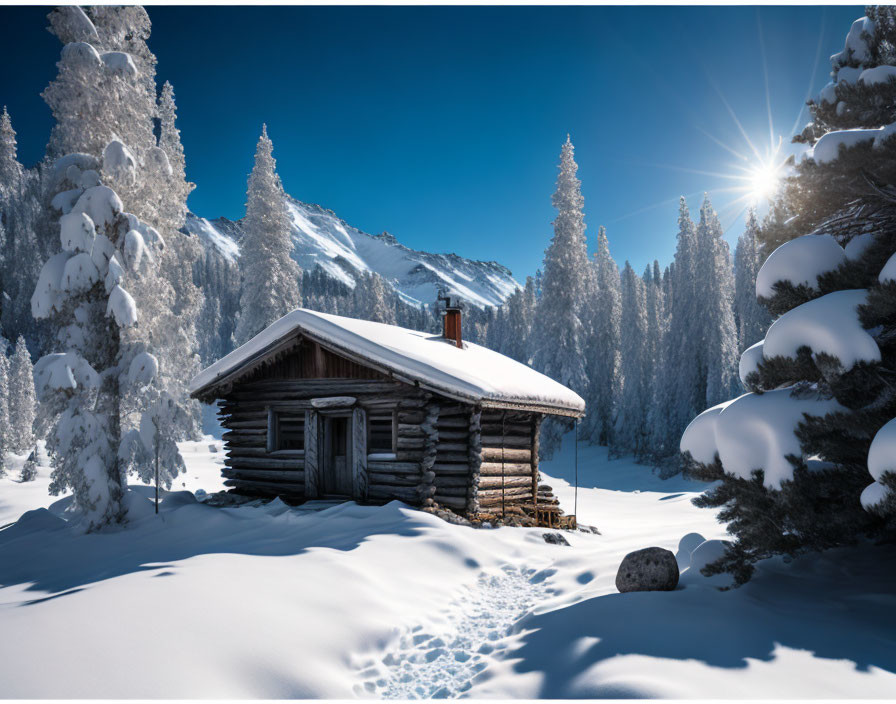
{"x":443,"y":125}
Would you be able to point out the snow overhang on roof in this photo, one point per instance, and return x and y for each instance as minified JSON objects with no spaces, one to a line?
{"x":473,"y":374}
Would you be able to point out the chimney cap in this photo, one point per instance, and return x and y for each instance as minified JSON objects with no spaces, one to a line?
{"x":444,"y":296}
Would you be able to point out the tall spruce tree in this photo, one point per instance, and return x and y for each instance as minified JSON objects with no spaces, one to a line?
{"x":559,"y":329}
{"x":270,"y":277}
{"x":682,"y":389}
{"x":843,"y":193}
{"x":629,"y":434}
{"x":5,"y":431}
{"x":104,"y":382}
{"x":715,"y":281}
{"x":22,"y":399}
{"x":603,"y":354}
{"x":10,"y":168}
{"x":654,"y":359}
{"x":752,"y":318}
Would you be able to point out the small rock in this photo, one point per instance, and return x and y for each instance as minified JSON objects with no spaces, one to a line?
{"x":554,"y":539}
{"x":213,"y":448}
{"x":648,"y":570}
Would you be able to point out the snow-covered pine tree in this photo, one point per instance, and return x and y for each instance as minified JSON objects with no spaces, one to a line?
{"x":10,"y":168}
{"x":604,"y":375}
{"x":715,"y":284}
{"x":654,"y":358}
{"x":270,"y":277}
{"x":22,"y":399}
{"x":833,"y":346}
{"x":5,"y":433}
{"x":511,"y":331}
{"x":371,"y":300}
{"x":681,"y":391}
{"x":104,"y":380}
{"x":19,"y":258}
{"x":629,"y":434}
{"x":752,"y":318}
{"x":560,"y":334}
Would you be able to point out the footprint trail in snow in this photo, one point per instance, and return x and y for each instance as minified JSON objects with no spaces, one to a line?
{"x":443,"y":665}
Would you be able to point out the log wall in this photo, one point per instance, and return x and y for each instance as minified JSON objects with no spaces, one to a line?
{"x":476,"y":462}
{"x":508,"y":471}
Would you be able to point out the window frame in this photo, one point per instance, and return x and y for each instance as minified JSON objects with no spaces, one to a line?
{"x":273,"y":430}
{"x":394,"y":448}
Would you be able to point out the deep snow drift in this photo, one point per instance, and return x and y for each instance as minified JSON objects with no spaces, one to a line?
{"x":353,"y":601}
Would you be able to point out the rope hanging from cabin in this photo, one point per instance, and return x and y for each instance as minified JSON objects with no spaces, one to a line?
{"x":503,"y":418}
{"x":575,"y":505}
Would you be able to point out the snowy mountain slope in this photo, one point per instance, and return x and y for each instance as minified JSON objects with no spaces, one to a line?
{"x":344,"y":252}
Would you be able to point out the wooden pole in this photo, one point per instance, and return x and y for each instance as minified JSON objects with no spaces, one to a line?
{"x":503,"y":418}
{"x":155,"y":423}
{"x":575,"y":505}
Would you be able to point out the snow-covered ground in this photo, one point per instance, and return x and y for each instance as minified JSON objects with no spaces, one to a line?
{"x":389,"y":602}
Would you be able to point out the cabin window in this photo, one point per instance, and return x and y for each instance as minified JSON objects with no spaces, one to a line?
{"x":286,"y":431}
{"x":381,"y":431}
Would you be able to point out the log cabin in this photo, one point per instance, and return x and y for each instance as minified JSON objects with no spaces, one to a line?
{"x":323,"y":406}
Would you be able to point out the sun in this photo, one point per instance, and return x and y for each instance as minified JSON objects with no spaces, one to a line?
{"x":764,"y":180}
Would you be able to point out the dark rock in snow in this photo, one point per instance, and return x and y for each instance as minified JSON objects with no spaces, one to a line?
{"x":555,"y":539}
{"x":648,"y":570}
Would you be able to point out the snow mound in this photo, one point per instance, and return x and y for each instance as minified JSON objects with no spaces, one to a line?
{"x":119,"y":162}
{"x":828,"y":324}
{"x":472,"y":373}
{"x":63,"y":371}
{"x":856,"y":247}
{"x":80,"y":273}
{"x":101,"y":203}
{"x":47,"y":295}
{"x":82,"y":56}
{"x":878,"y":74}
{"x":143,"y":369}
{"x":881,"y":458}
{"x":856,"y":47}
{"x":749,"y":361}
{"x":77,"y":232}
{"x":699,"y":438}
{"x":882,"y":453}
{"x":888,"y":273}
{"x":799,"y":261}
{"x":119,"y":62}
{"x":827,"y":149}
{"x":122,"y":307}
{"x":756,"y":431}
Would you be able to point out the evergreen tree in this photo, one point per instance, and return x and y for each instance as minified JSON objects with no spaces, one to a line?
{"x":752,"y":318}
{"x":10,"y":168}
{"x":5,"y":433}
{"x":107,"y":377}
{"x":716,"y":284}
{"x":630,"y":432}
{"x":560,"y":342}
{"x":654,"y":354}
{"x":29,"y":468}
{"x":270,"y":277}
{"x":22,"y":399}
{"x":371,"y":299}
{"x":821,"y":504}
{"x":681,"y":391}
{"x":604,"y":376}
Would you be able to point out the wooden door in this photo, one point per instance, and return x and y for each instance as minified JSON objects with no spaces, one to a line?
{"x":337,"y":474}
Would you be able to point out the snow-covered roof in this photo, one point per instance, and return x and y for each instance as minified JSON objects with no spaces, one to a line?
{"x":474,"y":373}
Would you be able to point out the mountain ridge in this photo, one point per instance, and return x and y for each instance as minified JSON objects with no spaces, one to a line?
{"x":344,"y":252}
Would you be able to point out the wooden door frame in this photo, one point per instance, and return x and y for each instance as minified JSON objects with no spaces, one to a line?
{"x":326,"y":459}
